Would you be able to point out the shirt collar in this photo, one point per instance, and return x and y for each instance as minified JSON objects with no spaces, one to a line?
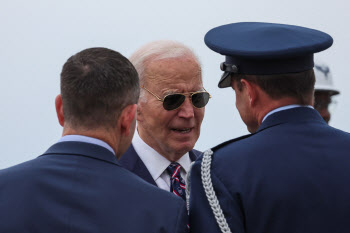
{"x":285,"y":108}
{"x":155,"y":162}
{"x":185,"y":162}
{"x":81,"y":138}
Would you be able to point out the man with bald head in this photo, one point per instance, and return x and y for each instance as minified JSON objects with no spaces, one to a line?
{"x":169,"y":116}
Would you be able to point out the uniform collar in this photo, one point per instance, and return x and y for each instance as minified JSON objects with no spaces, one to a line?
{"x":291,"y":115}
{"x":285,"y":108}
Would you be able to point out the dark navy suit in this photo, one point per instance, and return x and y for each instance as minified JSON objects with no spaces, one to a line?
{"x":131,"y":161}
{"x":292,"y":175}
{"x":77,"y":187}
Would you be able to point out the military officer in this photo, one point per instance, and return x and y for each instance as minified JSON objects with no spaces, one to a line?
{"x":291,"y":173}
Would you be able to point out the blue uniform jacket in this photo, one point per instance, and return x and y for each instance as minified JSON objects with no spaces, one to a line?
{"x":131,"y":161}
{"x":77,"y":187}
{"x":292,"y":175}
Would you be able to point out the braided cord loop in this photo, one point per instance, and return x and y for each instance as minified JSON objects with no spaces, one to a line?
{"x":210,"y":193}
{"x":188,"y":188}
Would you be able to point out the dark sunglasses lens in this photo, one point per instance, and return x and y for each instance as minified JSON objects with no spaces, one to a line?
{"x":199,"y":100}
{"x":174,"y":101}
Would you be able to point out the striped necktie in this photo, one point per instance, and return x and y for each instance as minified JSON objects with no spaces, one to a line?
{"x":177,"y":184}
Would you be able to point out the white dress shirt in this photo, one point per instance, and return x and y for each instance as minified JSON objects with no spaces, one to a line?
{"x":157,"y":164}
{"x":285,"y":108}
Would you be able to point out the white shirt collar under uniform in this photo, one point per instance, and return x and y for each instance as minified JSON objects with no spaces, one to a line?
{"x":285,"y":108}
{"x":81,"y":138}
{"x":156,"y":164}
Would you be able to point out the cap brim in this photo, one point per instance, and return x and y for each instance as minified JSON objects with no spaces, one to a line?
{"x":225,"y":80}
{"x":327,"y":89}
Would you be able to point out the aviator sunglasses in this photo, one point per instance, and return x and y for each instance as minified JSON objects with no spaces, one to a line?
{"x":173,"y":101}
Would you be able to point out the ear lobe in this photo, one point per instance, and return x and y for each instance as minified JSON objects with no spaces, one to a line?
{"x":59,"y":109}
{"x":127,"y":120}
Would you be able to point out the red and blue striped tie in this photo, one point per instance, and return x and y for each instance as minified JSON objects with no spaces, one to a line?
{"x":177,"y":184}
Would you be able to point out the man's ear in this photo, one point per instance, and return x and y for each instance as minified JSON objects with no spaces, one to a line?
{"x":59,"y":109}
{"x":252,"y":91}
{"x":127,"y":120}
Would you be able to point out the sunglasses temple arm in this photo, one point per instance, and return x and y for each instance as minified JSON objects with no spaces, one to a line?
{"x":152,"y":93}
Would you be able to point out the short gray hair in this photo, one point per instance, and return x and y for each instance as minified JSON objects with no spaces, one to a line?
{"x":158,"y":50}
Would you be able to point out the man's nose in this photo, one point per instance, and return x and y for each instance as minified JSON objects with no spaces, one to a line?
{"x":186,"y":109}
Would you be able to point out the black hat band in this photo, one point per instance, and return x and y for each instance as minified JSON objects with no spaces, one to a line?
{"x":272,"y":66}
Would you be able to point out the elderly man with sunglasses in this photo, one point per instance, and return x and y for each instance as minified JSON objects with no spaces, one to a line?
{"x":169,"y":116}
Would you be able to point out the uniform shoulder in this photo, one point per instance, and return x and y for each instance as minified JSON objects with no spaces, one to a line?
{"x":214,"y":151}
{"x":229,"y":142}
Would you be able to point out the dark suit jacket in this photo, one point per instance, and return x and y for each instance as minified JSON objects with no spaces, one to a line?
{"x":78,"y":187}
{"x":131,"y":161}
{"x":291,"y":176}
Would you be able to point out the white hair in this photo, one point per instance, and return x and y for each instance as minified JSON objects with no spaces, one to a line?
{"x":158,"y":50}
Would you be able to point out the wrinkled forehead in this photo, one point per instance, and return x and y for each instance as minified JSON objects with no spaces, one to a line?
{"x":171,"y":71}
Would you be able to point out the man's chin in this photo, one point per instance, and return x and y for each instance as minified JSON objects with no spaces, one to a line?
{"x":183,"y":148}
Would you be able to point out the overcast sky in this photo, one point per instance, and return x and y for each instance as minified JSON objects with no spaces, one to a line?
{"x":37,"y":37}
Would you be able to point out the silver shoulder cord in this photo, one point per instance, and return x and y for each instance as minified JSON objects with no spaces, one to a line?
{"x":188,"y":188}
{"x":209,"y":192}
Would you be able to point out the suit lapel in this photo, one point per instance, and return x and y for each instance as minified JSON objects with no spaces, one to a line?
{"x":131,"y":161}
{"x":194,"y":154}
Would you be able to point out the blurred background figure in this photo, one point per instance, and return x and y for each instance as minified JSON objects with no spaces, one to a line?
{"x":324,"y":90}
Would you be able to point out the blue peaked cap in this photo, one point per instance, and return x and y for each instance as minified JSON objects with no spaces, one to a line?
{"x":265,"y":48}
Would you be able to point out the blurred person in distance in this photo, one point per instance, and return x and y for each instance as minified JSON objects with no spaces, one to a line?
{"x":324,"y":90}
